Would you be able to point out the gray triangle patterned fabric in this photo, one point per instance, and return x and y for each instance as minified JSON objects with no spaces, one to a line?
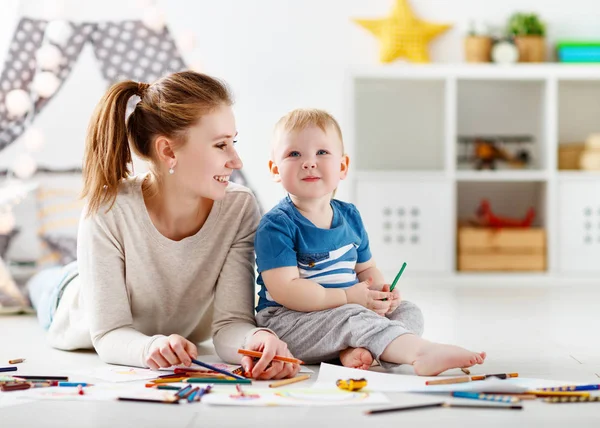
{"x":20,"y":66}
{"x":130,"y":50}
{"x":124,"y":49}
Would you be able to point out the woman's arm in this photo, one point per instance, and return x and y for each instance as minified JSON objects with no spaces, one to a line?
{"x":233,"y":318}
{"x":104,"y":294}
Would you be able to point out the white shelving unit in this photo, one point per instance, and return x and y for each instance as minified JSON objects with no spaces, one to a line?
{"x":411,"y":190}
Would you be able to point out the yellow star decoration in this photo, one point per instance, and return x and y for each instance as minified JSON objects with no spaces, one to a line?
{"x":402,"y":34}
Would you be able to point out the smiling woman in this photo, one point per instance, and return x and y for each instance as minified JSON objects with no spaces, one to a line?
{"x":160,"y":255}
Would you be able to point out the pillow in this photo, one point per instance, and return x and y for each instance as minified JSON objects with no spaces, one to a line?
{"x":11,"y":299}
{"x":5,"y":242}
{"x":59,"y":209}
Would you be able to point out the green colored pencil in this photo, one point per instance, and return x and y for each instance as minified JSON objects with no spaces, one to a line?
{"x":216,"y":380}
{"x":398,"y":276}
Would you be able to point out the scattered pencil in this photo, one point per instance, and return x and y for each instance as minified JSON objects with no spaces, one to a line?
{"x":573,"y":399}
{"x":288,"y":381}
{"x":16,"y":361}
{"x":466,"y":371}
{"x":445,"y":404}
{"x":148,"y":400}
{"x":218,"y":370}
{"x":463,"y":379}
{"x":558,"y":393}
{"x":448,"y":381}
{"x":8,"y":369}
{"x":257,"y":354}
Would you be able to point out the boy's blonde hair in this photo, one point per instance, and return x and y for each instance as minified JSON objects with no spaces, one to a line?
{"x":302,"y":118}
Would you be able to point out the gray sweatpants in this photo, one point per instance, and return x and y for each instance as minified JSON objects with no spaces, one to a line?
{"x":320,"y":336}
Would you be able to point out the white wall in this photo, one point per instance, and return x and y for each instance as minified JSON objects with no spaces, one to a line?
{"x":276,"y":55}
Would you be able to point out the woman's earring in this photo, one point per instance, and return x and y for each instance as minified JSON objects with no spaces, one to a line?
{"x":171,"y":170}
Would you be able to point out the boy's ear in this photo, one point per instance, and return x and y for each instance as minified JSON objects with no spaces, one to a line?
{"x":274,"y":172}
{"x":344,"y":165}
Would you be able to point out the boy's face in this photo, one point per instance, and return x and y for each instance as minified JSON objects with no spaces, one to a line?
{"x":309,"y":163}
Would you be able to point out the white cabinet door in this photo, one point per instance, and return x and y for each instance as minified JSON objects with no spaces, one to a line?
{"x":579,"y":227}
{"x":408,"y":221}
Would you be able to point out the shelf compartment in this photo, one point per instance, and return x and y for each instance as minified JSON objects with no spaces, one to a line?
{"x":399,"y":124}
{"x":578,"y":113}
{"x":506,"y":249}
{"x":503,"y":108}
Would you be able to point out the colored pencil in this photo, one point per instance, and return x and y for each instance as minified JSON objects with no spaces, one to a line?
{"x":169,"y":380}
{"x":398,"y":276}
{"x":558,"y":393}
{"x":403,"y":408}
{"x":288,"y":381}
{"x":192,"y":394}
{"x":182,"y":391}
{"x":486,"y":397}
{"x":216,"y":369}
{"x":15,"y":386}
{"x":226,"y":381}
{"x":572,"y":388}
{"x":8,"y":369}
{"x":595,"y":398}
{"x":203,"y":392}
{"x":16,"y":361}
{"x":466,"y":371}
{"x":148,"y":400}
{"x":448,"y":381}
{"x":257,"y":354}
{"x":168,"y":387}
{"x":463,"y":379}
{"x":75,"y":384}
{"x":445,"y":404}
{"x":30,"y":377}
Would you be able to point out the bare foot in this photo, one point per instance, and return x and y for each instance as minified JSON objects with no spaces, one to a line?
{"x":356,"y":358}
{"x":435,"y":358}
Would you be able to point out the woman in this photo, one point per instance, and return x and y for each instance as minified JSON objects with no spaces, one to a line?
{"x":165,"y":259}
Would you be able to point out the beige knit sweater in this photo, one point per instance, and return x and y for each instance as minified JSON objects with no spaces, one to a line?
{"x":136,"y":285}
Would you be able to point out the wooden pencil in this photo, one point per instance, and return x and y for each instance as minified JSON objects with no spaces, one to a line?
{"x":288,"y":381}
{"x":148,"y":400}
{"x":448,"y":381}
{"x":257,"y":354}
{"x":403,"y":408}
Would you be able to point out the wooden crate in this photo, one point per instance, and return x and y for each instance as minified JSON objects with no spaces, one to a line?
{"x":486,"y":249}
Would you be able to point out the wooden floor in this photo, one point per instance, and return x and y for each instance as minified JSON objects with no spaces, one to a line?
{"x":551,"y":333}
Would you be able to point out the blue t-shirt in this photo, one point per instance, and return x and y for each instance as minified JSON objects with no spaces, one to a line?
{"x":327,"y":256}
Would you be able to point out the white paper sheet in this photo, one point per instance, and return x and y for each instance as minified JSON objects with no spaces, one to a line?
{"x":296,"y":398}
{"x":387,"y":382}
{"x":112,"y":373}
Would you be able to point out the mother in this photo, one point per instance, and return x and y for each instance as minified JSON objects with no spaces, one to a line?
{"x":165,"y":258}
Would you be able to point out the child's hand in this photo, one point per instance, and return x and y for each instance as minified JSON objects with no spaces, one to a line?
{"x":395,"y":298}
{"x":171,"y":351}
{"x":362,"y":295}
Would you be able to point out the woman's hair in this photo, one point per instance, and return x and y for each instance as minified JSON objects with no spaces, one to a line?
{"x":301,"y":118}
{"x":167,"y":107}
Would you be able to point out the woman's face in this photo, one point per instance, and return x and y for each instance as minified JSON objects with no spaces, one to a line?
{"x":205,"y":162}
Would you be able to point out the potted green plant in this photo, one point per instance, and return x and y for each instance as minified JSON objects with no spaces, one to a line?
{"x":478,"y":46}
{"x":529,"y":33}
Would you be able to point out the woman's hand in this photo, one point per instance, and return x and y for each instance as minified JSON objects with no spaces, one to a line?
{"x":395,"y":298}
{"x":170,"y":351}
{"x":270,"y":346}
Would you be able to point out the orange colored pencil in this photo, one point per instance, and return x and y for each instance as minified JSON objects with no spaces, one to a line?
{"x":257,"y":354}
{"x":168,"y":380}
